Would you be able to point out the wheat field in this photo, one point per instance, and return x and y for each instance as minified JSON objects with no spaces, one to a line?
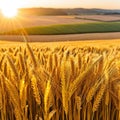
{"x":63,"y":83}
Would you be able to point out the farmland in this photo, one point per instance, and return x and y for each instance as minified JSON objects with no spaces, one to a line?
{"x":35,"y":21}
{"x":102,"y":18}
{"x":59,"y":38}
{"x":77,"y":80}
{"x":32,"y":21}
{"x":73,"y":81}
{"x":96,"y":27}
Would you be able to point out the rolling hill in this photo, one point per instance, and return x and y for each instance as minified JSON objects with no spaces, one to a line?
{"x":75,"y":11}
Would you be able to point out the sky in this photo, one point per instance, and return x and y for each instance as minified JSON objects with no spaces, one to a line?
{"x":105,"y":4}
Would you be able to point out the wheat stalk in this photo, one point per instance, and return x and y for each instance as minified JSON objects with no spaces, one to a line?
{"x":46,"y":99}
{"x":35,"y":90}
{"x":99,"y":97}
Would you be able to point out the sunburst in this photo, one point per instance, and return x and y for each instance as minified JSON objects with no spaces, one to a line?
{"x":9,"y":8}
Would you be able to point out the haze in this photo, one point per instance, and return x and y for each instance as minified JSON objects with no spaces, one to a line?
{"x":105,"y":4}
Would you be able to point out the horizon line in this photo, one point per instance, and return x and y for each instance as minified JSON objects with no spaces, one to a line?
{"x":67,"y":8}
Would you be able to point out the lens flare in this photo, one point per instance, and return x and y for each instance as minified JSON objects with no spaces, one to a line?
{"x":9,"y":8}
{"x":9,"y":12}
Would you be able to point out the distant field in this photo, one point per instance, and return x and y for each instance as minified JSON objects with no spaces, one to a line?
{"x":102,"y":18}
{"x":56,"y":38}
{"x":33,"y":21}
{"x":98,"y":27}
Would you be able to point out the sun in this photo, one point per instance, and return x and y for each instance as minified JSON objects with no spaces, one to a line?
{"x":9,"y":12}
{"x":9,"y":8}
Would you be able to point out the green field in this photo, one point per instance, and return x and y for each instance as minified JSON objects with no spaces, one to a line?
{"x":99,"y":27}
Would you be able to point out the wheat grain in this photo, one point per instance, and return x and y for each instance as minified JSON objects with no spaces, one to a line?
{"x":35,"y":90}
{"x":99,"y":97}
